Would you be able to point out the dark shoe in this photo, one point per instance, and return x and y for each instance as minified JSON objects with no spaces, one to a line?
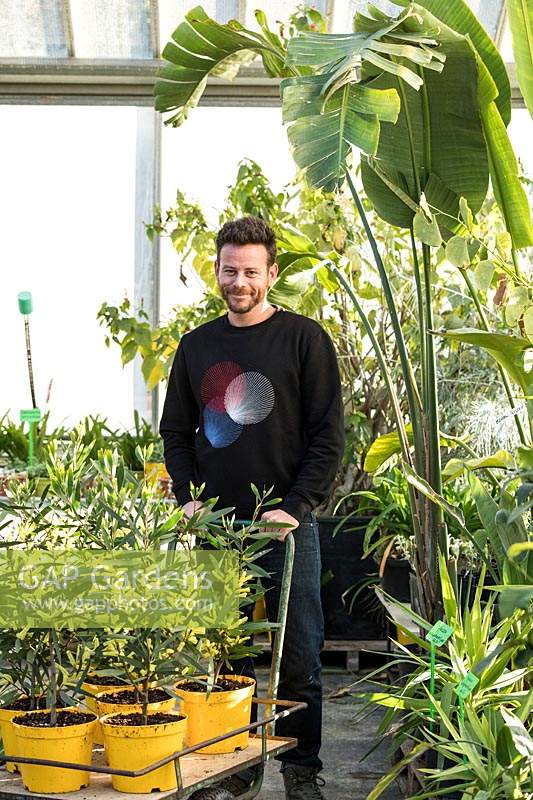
{"x":239,"y":783}
{"x":302,"y":783}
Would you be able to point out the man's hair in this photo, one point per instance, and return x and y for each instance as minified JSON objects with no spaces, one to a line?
{"x":248,"y":230}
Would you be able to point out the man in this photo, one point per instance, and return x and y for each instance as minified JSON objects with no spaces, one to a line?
{"x":254,"y":397}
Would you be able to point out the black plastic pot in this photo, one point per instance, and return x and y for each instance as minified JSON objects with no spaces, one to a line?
{"x":395,"y":580}
{"x":342,"y":559}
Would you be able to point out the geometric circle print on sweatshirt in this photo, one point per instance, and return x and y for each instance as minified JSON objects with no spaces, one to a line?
{"x":233,"y":398}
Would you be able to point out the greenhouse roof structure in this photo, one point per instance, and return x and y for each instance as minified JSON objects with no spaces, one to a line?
{"x":74,"y":51}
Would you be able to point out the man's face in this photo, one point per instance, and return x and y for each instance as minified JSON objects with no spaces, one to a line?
{"x":244,"y":276}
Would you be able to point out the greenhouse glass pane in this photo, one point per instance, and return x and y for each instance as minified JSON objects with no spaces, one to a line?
{"x":488,"y":13}
{"x":172,"y":12}
{"x":32,"y":28}
{"x":506,"y":46}
{"x":344,"y":10}
{"x":192,"y":162}
{"x":521,"y":135}
{"x":226,"y":10}
{"x":67,"y":210}
{"x":121,"y":29}
{"x":278,"y":11}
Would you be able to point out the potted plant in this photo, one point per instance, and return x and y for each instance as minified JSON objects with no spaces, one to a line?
{"x":22,"y":682}
{"x":104,"y":675}
{"x":58,"y":734}
{"x":148,"y":718}
{"x":217,"y":701}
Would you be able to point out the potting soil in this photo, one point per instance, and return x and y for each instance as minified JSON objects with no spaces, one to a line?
{"x":64,"y":719}
{"x":138,"y":719}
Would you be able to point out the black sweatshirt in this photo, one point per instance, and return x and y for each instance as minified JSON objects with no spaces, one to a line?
{"x":255,"y":404}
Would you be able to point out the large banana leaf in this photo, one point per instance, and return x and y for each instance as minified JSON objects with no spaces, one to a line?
{"x":520,"y":14}
{"x":202,"y":48}
{"x":494,"y":109}
{"x":506,"y":184}
{"x":322,"y":134}
{"x":457,"y":15}
{"x":437,"y":146}
{"x":332,"y":111}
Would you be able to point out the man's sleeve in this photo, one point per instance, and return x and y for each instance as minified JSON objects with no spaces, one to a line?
{"x":323,"y":415}
{"x":178,"y":426}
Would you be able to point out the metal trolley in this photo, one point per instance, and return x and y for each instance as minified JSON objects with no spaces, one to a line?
{"x":196,"y":774}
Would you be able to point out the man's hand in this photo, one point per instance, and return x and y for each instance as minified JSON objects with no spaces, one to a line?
{"x":279,"y":516}
{"x":192,"y":507}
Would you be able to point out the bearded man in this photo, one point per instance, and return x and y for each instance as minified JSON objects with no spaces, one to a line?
{"x":254,"y":396}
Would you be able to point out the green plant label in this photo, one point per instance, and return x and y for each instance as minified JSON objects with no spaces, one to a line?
{"x":118,"y":589}
{"x":30,"y":415}
{"x":439,"y":633}
{"x":469,"y":682}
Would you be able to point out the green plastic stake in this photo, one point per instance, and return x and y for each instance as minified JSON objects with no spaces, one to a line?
{"x":25,"y":303}
{"x":25,"y":308}
{"x":469,"y":682}
{"x":432,"y":652}
{"x":436,"y":636}
{"x":462,"y":718}
{"x":439,"y":633}
{"x":31,"y":416}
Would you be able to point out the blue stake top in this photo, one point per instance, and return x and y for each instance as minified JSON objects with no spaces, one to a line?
{"x":25,"y":303}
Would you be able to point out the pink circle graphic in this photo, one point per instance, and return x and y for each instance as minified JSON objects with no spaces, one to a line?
{"x":215,"y":383}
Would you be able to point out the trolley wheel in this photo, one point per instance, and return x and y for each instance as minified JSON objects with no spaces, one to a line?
{"x":212,"y":793}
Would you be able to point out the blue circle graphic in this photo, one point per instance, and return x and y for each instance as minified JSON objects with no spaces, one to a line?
{"x":219,"y":428}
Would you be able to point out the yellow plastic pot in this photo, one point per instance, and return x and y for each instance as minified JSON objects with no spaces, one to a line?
{"x":103,"y":707}
{"x":8,"y":736}
{"x":90,"y":702}
{"x":72,"y":743}
{"x":219,"y":713}
{"x":135,"y":747}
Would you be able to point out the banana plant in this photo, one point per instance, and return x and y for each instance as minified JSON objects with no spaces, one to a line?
{"x":394,"y":89}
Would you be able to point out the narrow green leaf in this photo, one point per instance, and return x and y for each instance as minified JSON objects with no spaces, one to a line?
{"x":424,"y":487}
{"x":507,"y":350}
{"x":520,"y":736}
{"x":520,"y":14}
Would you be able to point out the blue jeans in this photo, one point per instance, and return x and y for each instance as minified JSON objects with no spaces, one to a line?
{"x":300,"y":669}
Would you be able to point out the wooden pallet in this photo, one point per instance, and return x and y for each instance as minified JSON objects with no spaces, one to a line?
{"x":350,"y":647}
{"x":195,"y":767}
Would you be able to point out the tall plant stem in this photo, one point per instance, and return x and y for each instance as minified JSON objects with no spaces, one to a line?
{"x":420,"y":303}
{"x":52,"y":676}
{"x":400,"y":425}
{"x":413,"y":397}
{"x":436,"y":516}
{"x":435,"y":527}
{"x":516,"y":263}
{"x":504,"y":378}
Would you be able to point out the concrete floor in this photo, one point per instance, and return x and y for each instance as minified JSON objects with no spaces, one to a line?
{"x":344,"y":743}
